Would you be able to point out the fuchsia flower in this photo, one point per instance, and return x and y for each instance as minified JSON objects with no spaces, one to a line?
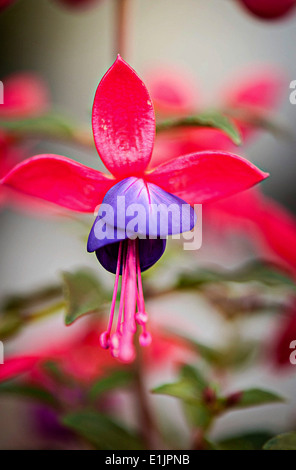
{"x":269,"y":9}
{"x":124,"y":129}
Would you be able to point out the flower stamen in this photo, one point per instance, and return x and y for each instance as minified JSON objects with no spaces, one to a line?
{"x":105,"y":337}
{"x":131,"y":305}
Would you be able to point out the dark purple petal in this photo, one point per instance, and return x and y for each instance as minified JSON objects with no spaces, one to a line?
{"x":149,"y":252}
{"x":134,"y":208}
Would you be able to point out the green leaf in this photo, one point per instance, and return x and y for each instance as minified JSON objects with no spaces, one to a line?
{"x":212,"y":119}
{"x":260,"y":121}
{"x":83,"y":294}
{"x":237,"y":355}
{"x":233,"y":356}
{"x":285,"y":441}
{"x":27,"y":391}
{"x":189,"y":388}
{"x":247,"y":441}
{"x":53,"y":370}
{"x":50,"y":124}
{"x":10,"y":323}
{"x":117,"y":379}
{"x":183,"y":389}
{"x":195,"y":376}
{"x":18,"y":310}
{"x":211,"y":355}
{"x":222,"y":122}
{"x":257,"y":397}
{"x":198,"y":415}
{"x":265,"y":273}
{"x":196,"y":278}
{"x":31,"y":299}
{"x":101,"y":431}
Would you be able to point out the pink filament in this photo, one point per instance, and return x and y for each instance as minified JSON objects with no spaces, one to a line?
{"x":145,"y":337}
{"x":126,"y":349}
{"x":115,"y":288}
{"x":123,"y":289}
{"x":104,"y":338}
{"x":121,"y":342}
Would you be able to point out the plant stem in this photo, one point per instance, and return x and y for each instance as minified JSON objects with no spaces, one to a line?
{"x":148,"y":427}
{"x":53,"y":292}
{"x":47,"y":311}
{"x":123,"y":16}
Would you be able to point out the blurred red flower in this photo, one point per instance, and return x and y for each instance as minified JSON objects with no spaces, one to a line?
{"x":79,"y":357}
{"x":254,"y":92}
{"x":82,"y":359}
{"x":269,"y":226}
{"x":269,"y":9}
{"x":25,"y":95}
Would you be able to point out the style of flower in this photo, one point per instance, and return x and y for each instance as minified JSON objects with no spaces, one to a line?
{"x":269,"y":9}
{"x":124,"y":129}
